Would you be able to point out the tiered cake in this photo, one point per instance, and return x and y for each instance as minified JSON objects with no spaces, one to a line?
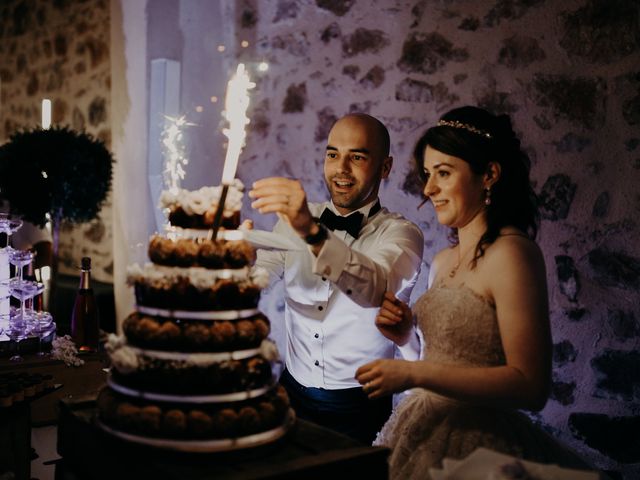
{"x":193,"y":370}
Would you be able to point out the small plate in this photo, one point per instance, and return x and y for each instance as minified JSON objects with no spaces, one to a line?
{"x":273,"y":241}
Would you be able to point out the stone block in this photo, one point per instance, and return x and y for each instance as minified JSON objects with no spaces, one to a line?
{"x":519,"y":52}
{"x":373,"y":78}
{"x":615,"y":269}
{"x":623,"y":324}
{"x":568,"y":279}
{"x":615,"y":437}
{"x":286,"y":9}
{"x":601,"y":205}
{"x":326,"y":119}
{"x":337,"y":7}
{"x":330,"y":32}
{"x":562,"y":392}
{"x":571,"y":143}
{"x":618,"y":374}
{"x":363,"y":40}
{"x":580,"y":100}
{"x":428,"y":53}
{"x":564,"y":352}
{"x":602,"y":31}
{"x":556,"y":197}
{"x":296,"y":98}
{"x":508,"y":10}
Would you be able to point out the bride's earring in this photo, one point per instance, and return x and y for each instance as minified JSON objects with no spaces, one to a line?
{"x":487,"y":196}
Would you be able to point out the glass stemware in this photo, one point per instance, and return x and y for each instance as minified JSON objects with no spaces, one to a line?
{"x":19,"y":329}
{"x":43,"y":326}
{"x":20,"y":259}
{"x":24,"y":291}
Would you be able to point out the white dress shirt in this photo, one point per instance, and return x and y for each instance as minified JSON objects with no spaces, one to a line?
{"x":331,"y":300}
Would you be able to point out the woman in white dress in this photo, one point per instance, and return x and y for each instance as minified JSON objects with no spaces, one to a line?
{"x":484,"y":318}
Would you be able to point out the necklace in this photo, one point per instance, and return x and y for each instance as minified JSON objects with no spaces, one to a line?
{"x":454,"y":270}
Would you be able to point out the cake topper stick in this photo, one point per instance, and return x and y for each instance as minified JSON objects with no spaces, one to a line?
{"x":236,"y":103}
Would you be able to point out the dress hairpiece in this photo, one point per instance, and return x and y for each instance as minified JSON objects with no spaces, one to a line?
{"x":465,"y":126}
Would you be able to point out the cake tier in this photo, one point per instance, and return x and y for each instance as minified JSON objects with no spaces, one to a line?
{"x":197,"y":209}
{"x":196,"y":288}
{"x":190,"y":373}
{"x":190,"y":252}
{"x":180,"y":335}
{"x":187,"y":421}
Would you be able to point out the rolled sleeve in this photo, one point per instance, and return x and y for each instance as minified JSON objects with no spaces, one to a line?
{"x":392,"y":262}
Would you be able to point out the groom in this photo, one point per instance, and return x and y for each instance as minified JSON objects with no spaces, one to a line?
{"x":356,"y":250}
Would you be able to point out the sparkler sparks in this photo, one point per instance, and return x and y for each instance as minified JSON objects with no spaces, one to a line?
{"x":236,"y":104}
{"x":175,"y":161}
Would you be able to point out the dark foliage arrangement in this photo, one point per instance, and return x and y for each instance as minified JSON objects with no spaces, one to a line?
{"x":57,"y":171}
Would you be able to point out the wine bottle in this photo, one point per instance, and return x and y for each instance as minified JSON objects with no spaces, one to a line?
{"x":84,"y":318}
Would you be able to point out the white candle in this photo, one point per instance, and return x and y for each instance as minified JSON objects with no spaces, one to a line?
{"x":46,"y":114}
{"x":236,"y":103}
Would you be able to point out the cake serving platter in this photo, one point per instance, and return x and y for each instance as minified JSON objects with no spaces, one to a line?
{"x":197,"y":315}
{"x":201,"y":358}
{"x":165,"y":397}
{"x":207,"y":446}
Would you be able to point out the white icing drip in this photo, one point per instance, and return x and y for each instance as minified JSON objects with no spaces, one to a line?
{"x":197,"y":202}
{"x":201,"y":278}
{"x":260,"y":277}
{"x":122,"y":357}
{"x":127,"y":359}
{"x":269,"y":350}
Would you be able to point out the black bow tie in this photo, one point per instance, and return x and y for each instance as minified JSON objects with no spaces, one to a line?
{"x":350,"y":224}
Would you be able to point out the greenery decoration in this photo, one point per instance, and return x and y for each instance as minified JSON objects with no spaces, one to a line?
{"x":64,"y":173}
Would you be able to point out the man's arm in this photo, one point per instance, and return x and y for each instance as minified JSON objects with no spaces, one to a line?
{"x":364,"y":277}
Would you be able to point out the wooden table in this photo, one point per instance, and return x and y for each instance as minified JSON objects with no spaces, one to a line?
{"x":307,"y":451}
{"x":16,"y":420}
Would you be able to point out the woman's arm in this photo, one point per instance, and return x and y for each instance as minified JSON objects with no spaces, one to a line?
{"x":514,"y":275}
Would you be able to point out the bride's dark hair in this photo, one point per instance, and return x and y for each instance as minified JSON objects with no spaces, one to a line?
{"x":479,"y":137}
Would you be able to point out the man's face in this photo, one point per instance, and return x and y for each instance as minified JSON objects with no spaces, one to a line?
{"x":354,"y":163}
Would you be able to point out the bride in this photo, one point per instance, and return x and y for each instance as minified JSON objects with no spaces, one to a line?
{"x":484,"y":318}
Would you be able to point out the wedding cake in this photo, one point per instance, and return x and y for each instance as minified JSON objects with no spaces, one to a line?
{"x":194,"y":369}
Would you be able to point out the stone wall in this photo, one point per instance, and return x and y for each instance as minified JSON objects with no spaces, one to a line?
{"x":60,"y":50}
{"x":568,"y":72}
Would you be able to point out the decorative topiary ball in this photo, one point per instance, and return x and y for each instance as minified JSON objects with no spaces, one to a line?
{"x":57,"y":171}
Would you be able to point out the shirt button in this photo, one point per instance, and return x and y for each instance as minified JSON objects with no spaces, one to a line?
{"x":324,"y":279}
{"x":320,"y":307}
{"x":349,"y":292}
{"x":316,"y":363}
{"x":317,"y":335}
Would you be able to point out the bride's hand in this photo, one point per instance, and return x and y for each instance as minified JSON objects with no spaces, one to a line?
{"x":395,"y":320}
{"x":384,"y":377}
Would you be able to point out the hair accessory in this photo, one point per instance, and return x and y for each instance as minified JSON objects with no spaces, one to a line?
{"x":465,"y":126}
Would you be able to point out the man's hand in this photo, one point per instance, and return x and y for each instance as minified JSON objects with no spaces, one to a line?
{"x":395,"y":320}
{"x":287,"y":198}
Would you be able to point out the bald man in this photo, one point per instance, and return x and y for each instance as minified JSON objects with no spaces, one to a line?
{"x":356,"y":250}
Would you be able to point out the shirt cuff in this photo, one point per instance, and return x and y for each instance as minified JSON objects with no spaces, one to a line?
{"x":411,"y":349}
{"x":332,"y":258}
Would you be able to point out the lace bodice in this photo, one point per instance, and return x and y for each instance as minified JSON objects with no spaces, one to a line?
{"x":459,"y":327}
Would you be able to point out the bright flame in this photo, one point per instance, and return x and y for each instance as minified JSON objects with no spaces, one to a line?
{"x":174,"y":152}
{"x":236,"y":104}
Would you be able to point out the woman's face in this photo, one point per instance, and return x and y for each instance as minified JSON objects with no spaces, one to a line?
{"x":457,"y":194}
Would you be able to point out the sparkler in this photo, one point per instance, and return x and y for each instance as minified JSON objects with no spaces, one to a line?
{"x":175,"y":159}
{"x":236,"y":104}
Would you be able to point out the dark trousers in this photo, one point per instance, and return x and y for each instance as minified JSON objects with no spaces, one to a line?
{"x":347,"y":411}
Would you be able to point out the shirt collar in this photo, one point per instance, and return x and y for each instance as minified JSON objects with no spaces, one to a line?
{"x":364,"y":210}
